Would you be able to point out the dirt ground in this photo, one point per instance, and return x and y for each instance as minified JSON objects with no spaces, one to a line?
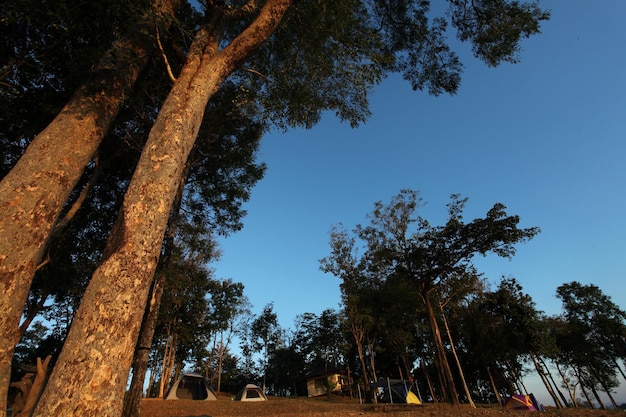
{"x":335,"y":407}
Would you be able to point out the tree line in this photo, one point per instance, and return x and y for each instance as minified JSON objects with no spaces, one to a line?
{"x":493,"y":336}
{"x":415,"y":307}
{"x":129,"y":132}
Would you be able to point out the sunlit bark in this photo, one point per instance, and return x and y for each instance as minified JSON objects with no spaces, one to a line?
{"x":33,"y":193}
{"x":91,"y":373}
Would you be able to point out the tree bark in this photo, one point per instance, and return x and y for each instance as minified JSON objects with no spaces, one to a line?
{"x":33,"y":193}
{"x":132,"y":402}
{"x":91,"y":374}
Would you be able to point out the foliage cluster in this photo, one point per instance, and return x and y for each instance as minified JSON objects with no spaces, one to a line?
{"x":323,"y":56}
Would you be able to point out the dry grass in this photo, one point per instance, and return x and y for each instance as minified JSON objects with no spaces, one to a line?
{"x":335,"y":407}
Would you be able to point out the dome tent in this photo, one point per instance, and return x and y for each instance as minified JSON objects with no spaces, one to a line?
{"x":250,"y":392}
{"x":191,"y":387}
{"x":396,"y":391}
{"x":526,"y":402}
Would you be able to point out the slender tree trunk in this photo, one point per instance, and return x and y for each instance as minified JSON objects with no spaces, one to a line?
{"x":598,"y":399}
{"x":493,"y":386}
{"x":582,"y":383}
{"x":132,"y":402}
{"x":621,"y":371}
{"x":557,"y":403}
{"x":177,"y":367}
{"x":606,"y":390}
{"x":571,"y":393}
{"x":448,"y":381}
{"x":92,"y":370}
{"x":554,"y":384}
{"x":404,"y":367}
{"x":456,"y":358}
{"x":165,"y":366}
{"x":611,"y":398}
{"x":36,"y":388}
{"x":219,"y":363}
{"x":441,"y":380}
{"x":517,"y":380}
{"x":33,"y":193}
{"x":151,"y":380}
{"x":170,"y":371}
{"x":372,"y":358}
{"x":586,"y":394}
{"x":358,"y":338}
{"x":430,"y":384}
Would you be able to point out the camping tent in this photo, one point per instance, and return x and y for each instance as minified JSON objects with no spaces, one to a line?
{"x":521,"y":402}
{"x":250,"y":392}
{"x":191,"y":387}
{"x":396,"y":391}
{"x":401,"y":392}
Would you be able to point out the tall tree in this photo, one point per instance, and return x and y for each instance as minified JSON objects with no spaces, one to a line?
{"x":516,"y":329}
{"x":357,"y":288}
{"x":34,"y":191}
{"x":266,"y":336}
{"x":365,"y":40}
{"x":220,"y":173}
{"x":590,"y":342}
{"x":228,"y":304}
{"x":432,"y":258}
{"x":133,"y":248}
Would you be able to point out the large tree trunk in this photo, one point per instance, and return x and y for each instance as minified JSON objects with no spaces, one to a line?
{"x":92,"y":370}
{"x":453,"y":396}
{"x":33,"y":193}
{"x":132,"y":402}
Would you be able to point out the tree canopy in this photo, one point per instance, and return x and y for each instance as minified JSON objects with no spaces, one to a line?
{"x":433,"y":260}
{"x":288,"y":62}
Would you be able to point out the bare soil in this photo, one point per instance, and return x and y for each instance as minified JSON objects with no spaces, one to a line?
{"x":337,"y":407}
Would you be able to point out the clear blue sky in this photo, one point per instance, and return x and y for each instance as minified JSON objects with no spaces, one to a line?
{"x":546,"y":137}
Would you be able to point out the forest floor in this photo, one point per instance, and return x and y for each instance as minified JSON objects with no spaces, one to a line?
{"x":337,"y":407}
